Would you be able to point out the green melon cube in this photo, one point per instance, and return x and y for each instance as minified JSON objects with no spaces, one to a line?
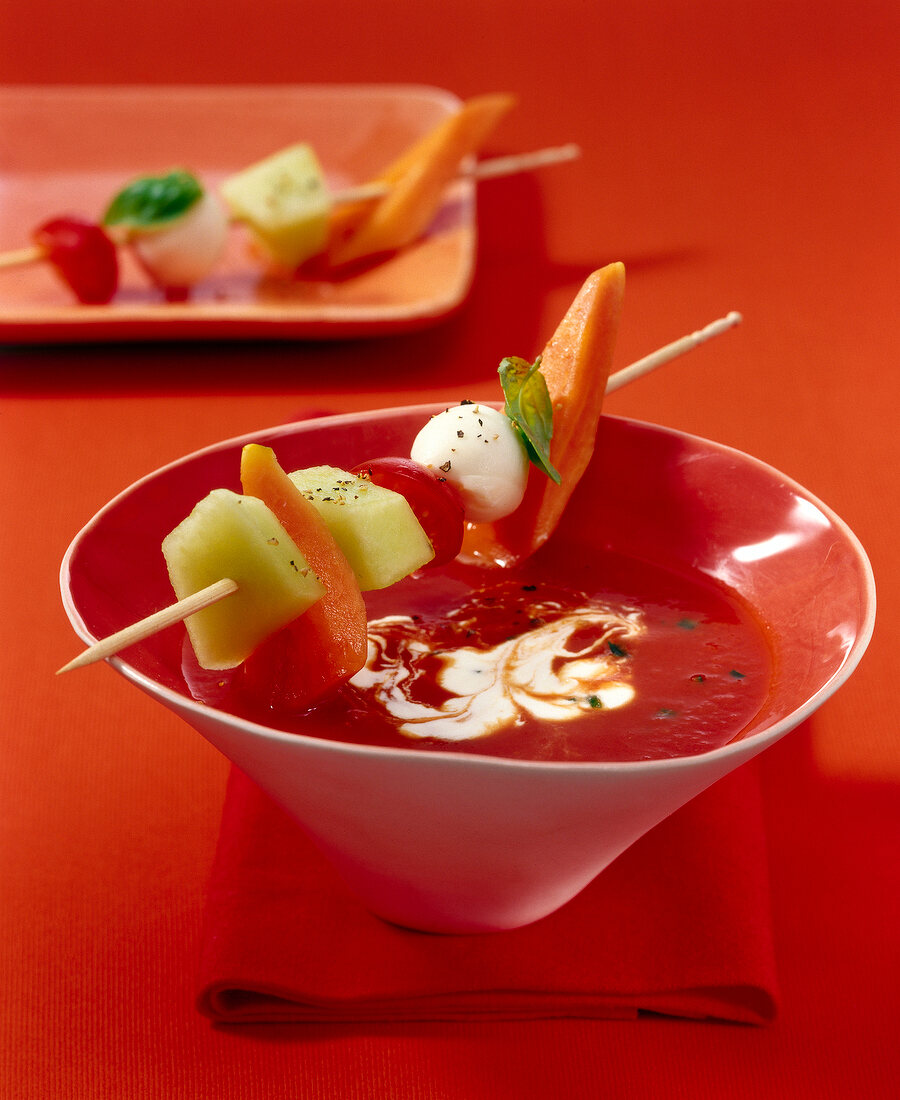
{"x":284,"y":201}
{"x":375,"y":527}
{"x":227,"y":535}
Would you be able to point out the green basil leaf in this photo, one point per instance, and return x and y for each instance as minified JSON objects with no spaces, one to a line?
{"x":529,"y":407}
{"x":153,"y":201}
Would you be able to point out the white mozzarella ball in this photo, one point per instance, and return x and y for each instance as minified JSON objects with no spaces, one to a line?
{"x":186,"y":251}
{"x":479,"y":452}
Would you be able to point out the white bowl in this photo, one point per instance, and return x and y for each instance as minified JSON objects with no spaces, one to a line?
{"x":459,"y":842}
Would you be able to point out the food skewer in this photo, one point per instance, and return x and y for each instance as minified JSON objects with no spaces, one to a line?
{"x":490,"y":168}
{"x":206,"y":597}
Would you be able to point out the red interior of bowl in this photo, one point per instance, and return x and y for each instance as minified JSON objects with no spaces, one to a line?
{"x":650,"y":493}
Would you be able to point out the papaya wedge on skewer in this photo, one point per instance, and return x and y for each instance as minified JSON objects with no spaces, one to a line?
{"x":315,"y":653}
{"x":417,"y":181}
{"x":576,"y":364}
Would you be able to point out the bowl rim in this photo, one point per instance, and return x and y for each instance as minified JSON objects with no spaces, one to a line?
{"x":184,"y":704}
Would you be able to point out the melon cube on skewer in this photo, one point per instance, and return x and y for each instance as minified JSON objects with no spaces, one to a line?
{"x":227,"y":535}
{"x":375,"y":527}
{"x":284,"y":202}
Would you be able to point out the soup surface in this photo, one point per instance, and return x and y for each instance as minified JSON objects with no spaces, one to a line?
{"x":581,"y":657}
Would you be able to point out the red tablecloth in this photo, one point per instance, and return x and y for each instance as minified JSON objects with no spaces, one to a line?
{"x":680,"y":924}
{"x":735,"y":157}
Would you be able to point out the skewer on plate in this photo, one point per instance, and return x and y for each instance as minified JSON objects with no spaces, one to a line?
{"x":220,"y":590}
{"x":490,"y":168}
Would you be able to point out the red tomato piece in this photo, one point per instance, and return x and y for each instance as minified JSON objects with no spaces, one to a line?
{"x":83,"y":255}
{"x":433,"y":499}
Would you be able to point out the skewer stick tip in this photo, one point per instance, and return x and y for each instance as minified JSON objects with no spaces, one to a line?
{"x":21,"y":256}
{"x":671,"y":351}
{"x":152,"y":624}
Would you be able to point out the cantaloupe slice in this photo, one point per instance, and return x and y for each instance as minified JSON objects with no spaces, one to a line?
{"x":417,"y":182}
{"x":312,"y":655}
{"x":576,"y":364}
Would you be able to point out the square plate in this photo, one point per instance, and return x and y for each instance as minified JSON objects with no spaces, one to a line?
{"x":70,"y":149}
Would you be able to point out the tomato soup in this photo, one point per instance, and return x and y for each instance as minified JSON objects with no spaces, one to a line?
{"x":594,"y":657}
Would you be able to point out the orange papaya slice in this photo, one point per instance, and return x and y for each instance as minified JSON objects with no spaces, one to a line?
{"x":417,"y":180}
{"x":317,"y":652}
{"x":576,"y":364}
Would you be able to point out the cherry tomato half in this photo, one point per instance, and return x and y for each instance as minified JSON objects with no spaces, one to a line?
{"x":433,"y":499}
{"x":83,"y":255}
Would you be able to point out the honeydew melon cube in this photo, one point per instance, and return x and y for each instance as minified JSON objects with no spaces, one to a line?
{"x":227,"y":535}
{"x":284,"y":201}
{"x":375,"y":527}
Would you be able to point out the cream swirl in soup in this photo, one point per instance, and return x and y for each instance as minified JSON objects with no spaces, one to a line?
{"x":563,"y":665}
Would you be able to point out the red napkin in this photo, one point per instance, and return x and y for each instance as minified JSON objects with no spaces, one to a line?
{"x":678,"y":924}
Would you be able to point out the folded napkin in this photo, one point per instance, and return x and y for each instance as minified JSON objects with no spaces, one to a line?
{"x":678,"y":924}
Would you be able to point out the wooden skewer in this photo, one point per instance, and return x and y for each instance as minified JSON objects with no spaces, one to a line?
{"x":177,"y":612}
{"x":22,"y":256}
{"x":486,"y":169}
{"x":152,"y":624}
{"x":671,"y":351}
{"x":512,"y":165}
{"x":492,"y":168}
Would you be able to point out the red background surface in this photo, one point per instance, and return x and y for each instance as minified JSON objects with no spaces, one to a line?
{"x":736,"y":156}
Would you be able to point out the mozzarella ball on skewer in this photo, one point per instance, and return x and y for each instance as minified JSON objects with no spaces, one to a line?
{"x":184,"y":252}
{"x":477,"y":449}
